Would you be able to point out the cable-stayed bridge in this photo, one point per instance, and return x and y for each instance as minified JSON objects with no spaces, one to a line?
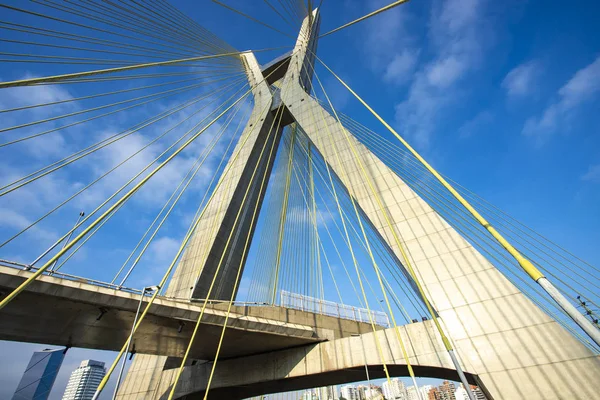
{"x":296,"y":207}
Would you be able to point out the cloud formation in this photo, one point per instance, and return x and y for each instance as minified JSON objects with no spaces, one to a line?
{"x":583,"y":86}
{"x":520,"y":81}
{"x":458,"y":41}
{"x":592,"y":174}
{"x":389,"y":44}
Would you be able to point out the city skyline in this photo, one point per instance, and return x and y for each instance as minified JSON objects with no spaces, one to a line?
{"x":73,"y":357}
{"x":397,"y":388}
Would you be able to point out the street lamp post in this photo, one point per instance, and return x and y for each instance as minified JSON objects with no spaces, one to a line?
{"x":364,"y":357}
{"x":81,"y":214}
{"x":130,"y":338}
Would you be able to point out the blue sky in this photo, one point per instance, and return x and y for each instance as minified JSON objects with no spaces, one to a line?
{"x":500,"y":96}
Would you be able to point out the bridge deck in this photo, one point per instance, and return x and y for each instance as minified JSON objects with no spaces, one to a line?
{"x":64,"y":312}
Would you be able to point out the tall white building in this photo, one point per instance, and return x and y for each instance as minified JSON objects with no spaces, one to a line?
{"x":349,"y":392}
{"x":85,"y":380}
{"x":327,"y":393}
{"x":461,"y":393}
{"x":394,"y":389}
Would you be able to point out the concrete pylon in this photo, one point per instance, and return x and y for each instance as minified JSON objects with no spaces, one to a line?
{"x":516,"y":350}
{"x":199,"y":263}
{"x":149,"y":376}
{"x":504,"y":342}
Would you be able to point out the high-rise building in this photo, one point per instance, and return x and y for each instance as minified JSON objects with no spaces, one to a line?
{"x":349,"y":392}
{"x":394,"y":389}
{"x":412,"y":393}
{"x":373,"y":392}
{"x":434,"y":394}
{"x":447,"y":390}
{"x":38,"y":378}
{"x":461,"y":393}
{"x":85,"y":380}
{"x":479,"y":395}
{"x":425,"y":389}
{"x":327,"y":393}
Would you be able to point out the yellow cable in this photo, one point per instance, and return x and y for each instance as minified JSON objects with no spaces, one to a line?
{"x":34,"y":276}
{"x":237,"y":279}
{"x":131,"y":180}
{"x":283,"y":217}
{"x":527,"y":266}
{"x":407,"y":261}
{"x":394,"y":4}
{"x":55,"y":78}
{"x":109,"y":171}
{"x":364,"y":246}
{"x":364,"y":234}
{"x":318,"y":271}
{"x":251,"y":18}
{"x":354,"y":260}
{"x":170,"y":269}
{"x":193,"y":336}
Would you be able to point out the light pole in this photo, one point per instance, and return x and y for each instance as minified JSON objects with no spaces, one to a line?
{"x":364,"y":357}
{"x":130,"y":338}
{"x":81,"y":214}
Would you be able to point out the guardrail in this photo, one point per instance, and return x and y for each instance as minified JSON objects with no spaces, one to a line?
{"x":288,"y":299}
{"x":325,"y":307}
{"x":70,"y":277}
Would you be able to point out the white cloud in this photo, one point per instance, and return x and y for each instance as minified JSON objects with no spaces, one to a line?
{"x":23,"y":206}
{"x":520,"y":81}
{"x":592,"y":174}
{"x":444,"y":72}
{"x":42,"y":147}
{"x":31,"y":95}
{"x":14,"y":220}
{"x":583,"y":86}
{"x":401,"y":67}
{"x":389,"y":44}
{"x":164,"y":249}
{"x":459,"y":36}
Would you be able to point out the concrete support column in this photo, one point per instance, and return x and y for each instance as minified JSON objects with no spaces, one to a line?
{"x":199,"y":263}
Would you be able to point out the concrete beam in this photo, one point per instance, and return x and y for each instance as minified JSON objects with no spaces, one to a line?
{"x":334,"y":362}
{"x":64,"y":312}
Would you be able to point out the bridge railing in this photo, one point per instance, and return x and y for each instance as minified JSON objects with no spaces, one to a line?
{"x":70,"y":277}
{"x":325,"y":307}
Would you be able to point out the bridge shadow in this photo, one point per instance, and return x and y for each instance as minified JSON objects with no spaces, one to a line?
{"x":338,"y":377}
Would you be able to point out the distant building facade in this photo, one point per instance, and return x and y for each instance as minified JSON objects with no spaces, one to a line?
{"x":443,"y":392}
{"x":349,"y":392}
{"x":461,"y":393}
{"x":327,"y":393}
{"x":412,"y":393}
{"x":85,"y":380}
{"x":425,"y":389}
{"x":394,"y":389}
{"x":40,"y":374}
{"x":479,"y":395}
